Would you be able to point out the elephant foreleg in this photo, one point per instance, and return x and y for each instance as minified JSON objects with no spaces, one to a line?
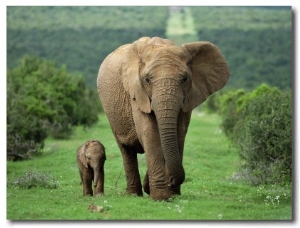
{"x":155,"y":182}
{"x":87,"y":177}
{"x":87,"y":187}
{"x":130,"y":162}
{"x":99,"y":189}
{"x":80,"y":174}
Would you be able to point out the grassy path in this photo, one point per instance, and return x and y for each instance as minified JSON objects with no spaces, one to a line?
{"x":180,"y":27}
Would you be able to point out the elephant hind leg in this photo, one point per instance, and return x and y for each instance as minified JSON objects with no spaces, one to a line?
{"x":130,"y":162}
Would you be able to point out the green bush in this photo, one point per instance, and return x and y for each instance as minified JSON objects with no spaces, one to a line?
{"x":228,"y":105}
{"x":258,"y":92}
{"x":259,"y":123}
{"x":264,"y":136}
{"x":42,"y":100}
{"x":212,"y":104}
{"x":33,"y":178}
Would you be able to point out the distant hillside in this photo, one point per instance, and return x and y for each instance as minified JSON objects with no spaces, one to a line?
{"x":81,"y":36}
{"x":256,"y":41}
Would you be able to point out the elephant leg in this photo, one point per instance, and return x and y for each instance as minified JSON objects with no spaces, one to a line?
{"x":155,"y":182}
{"x":130,"y":162}
{"x":87,"y":178}
{"x":99,"y":189}
{"x":87,"y":187}
{"x":146,"y":185}
{"x":156,"y":174}
{"x":80,"y":174}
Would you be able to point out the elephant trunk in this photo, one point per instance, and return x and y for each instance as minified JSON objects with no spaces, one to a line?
{"x":96,"y":175}
{"x":166,"y":107}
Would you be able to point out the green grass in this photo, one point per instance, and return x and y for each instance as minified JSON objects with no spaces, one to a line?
{"x":209,"y":192}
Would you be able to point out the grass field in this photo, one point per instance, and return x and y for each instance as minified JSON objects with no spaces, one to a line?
{"x":208,"y":193}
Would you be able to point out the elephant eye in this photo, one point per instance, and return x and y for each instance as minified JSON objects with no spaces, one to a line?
{"x":147,"y":80}
{"x":184,"y":79}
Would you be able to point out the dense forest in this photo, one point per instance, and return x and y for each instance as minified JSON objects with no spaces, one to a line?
{"x":256,"y":41}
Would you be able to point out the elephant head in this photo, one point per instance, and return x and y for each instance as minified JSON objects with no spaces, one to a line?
{"x":165,"y":80}
{"x":92,"y":155}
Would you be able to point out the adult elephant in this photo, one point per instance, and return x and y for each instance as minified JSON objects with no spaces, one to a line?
{"x":148,"y":90}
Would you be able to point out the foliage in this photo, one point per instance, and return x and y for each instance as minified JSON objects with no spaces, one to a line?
{"x":208,"y":193}
{"x":256,"y":42}
{"x":256,"y":93}
{"x":44,"y":100}
{"x":260,"y":124}
{"x":241,"y":17}
{"x":34,"y":178}
{"x":264,"y":136}
{"x":228,"y":109}
{"x":212,"y":103}
{"x":81,"y":36}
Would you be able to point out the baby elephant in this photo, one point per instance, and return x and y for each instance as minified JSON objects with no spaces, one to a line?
{"x":90,"y":160}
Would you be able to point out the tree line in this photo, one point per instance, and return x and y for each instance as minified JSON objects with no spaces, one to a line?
{"x":79,"y":37}
{"x":256,"y":42}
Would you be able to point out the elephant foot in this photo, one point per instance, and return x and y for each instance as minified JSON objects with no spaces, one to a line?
{"x":87,"y":193}
{"x":99,"y":194}
{"x":175,"y":190}
{"x":160,"y":195}
{"x":134,"y":191}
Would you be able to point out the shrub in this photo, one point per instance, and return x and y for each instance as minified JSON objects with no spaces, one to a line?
{"x":264,"y":136}
{"x":228,"y":110}
{"x":44,"y":99}
{"x":259,"y":91}
{"x":212,"y":104}
{"x":33,"y":178}
{"x":260,"y":125}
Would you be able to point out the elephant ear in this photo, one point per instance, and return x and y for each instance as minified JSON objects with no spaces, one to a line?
{"x":81,"y":155}
{"x":210,"y":72}
{"x":131,"y":74}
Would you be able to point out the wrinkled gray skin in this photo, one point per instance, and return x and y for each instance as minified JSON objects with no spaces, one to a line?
{"x":90,"y":160}
{"x":148,"y":90}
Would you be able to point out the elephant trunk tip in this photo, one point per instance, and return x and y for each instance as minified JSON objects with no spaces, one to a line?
{"x":95,"y":185}
{"x":174,"y":182}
